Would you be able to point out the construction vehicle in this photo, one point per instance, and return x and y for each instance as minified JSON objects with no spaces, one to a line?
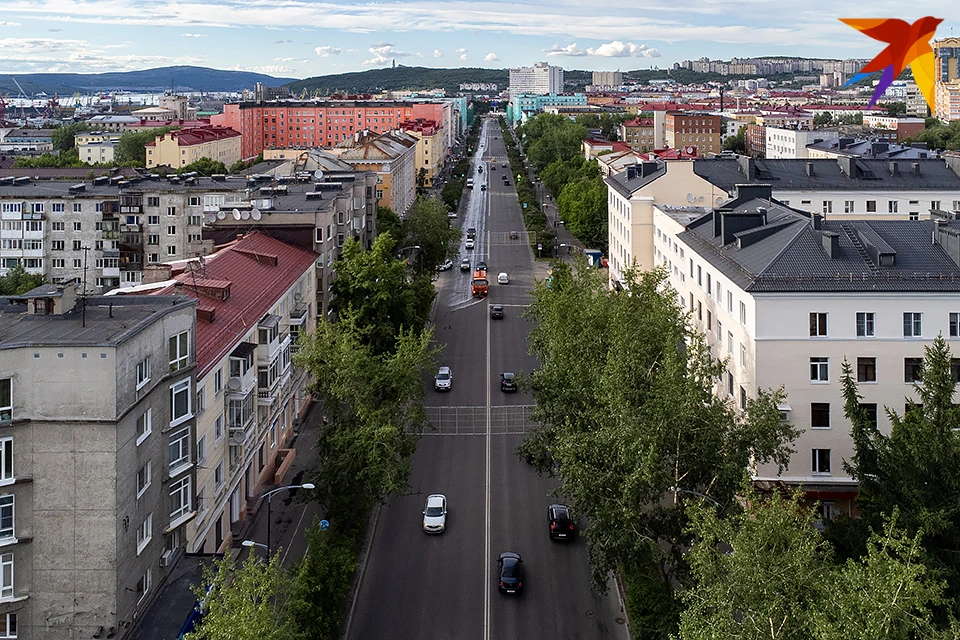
{"x":480,"y":285}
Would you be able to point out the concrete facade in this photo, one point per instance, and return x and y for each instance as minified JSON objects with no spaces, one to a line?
{"x":183,"y":147}
{"x":541,"y":78}
{"x":792,"y":143}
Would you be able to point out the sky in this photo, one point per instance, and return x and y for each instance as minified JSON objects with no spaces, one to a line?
{"x":304,"y":38}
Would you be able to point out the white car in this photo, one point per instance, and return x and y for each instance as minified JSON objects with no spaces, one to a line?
{"x":502,"y":278}
{"x":451,"y":214}
{"x":435,"y":513}
{"x":446,"y":264}
{"x":443,"y":381}
{"x":469,"y":244}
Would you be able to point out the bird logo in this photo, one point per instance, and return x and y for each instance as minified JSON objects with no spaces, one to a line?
{"x":908,"y":44}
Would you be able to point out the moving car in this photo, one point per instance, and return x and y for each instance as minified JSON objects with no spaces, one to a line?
{"x":506,"y":183}
{"x":465,"y":264}
{"x":508,"y":382}
{"x":446,"y":264}
{"x":496,"y":312}
{"x":560,"y":521}
{"x":471,"y":232}
{"x":502,"y":278}
{"x":483,"y":187}
{"x":435,"y":514}
{"x":514,"y":235}
{"x":482,"y":265}
{"x":469,"y":244}
{"x":443,"y":381}
{"x":510,"y":573}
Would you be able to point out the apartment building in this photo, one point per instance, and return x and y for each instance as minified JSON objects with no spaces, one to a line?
{"x":99,"y":472}
{"x":539,"y":79}
{"x":846,"y":188}
{"x":946,"y":54}
{"x":32,"y":140}
{"x":96,"y":147}
{"x":429,"y":154}
{"x":638,"y":134}
{"x":784,"y":144}
{"x":253,"y":299}
{"x":755,"y":140}
{"x":526,"y":105}
{"x":607,"y":79}
{"x":846,"y":146}
{"x":392,"y":156}
{"x":785,"y":297}
{"x":278,"y":125}
{"x":698,"y":130}
{"x":904,"y":127}
{"x":185,"y":146}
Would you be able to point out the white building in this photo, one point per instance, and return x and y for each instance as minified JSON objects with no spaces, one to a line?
{"x":540,"y":79}
{"x":607,"y":79}
{"x":792,"y":143}
{"x":785,"y":297}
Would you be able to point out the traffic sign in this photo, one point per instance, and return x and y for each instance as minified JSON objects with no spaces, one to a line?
{"x":324,"y":525}
{"x":539,"y":247}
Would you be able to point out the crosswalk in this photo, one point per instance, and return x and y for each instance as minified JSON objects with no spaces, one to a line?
{"x":472,"y":420}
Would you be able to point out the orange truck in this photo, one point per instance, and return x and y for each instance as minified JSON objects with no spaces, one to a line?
{"x":480,"y":284}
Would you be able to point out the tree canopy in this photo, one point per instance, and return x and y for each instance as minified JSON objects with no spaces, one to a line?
{"x":428,"y":227}
{"x":18,"y":281}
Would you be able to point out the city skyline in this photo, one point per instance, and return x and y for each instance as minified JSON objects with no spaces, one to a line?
{"x":65,"y":36}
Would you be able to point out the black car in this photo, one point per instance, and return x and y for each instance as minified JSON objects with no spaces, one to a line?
{"x":506,"y":183}
{"x":471,"y":232}
{"x":510,"y":573}
{"x":496,"y":312}
{"x":482,"y":265}
{"x":561,"y":522}
{"x":508,"y":382}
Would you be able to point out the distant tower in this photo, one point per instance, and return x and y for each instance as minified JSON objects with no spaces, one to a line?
{"x":394,"y":63}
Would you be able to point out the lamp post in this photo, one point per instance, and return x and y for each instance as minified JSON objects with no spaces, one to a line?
{"x":413,"y":246}
{"x":677,"y":490}
{"x":269,"y":496}
{"x":250,"y":544}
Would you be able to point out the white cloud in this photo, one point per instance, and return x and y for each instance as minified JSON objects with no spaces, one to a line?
{"x":267,"y":68}
{"x":617,"y":49}
{"x":326,"y":51}
{"x":384,"y":54}
{"x":282,"y":41}
{"x":283,"y":59}
{"x":461,"y":50}
{"x":571,"y":50}
{"x":491,"y":57}
{"x":437,"y":53}
{"x":5,"y":23}
{"x":463,"y":56}
{"x":192,"y":35}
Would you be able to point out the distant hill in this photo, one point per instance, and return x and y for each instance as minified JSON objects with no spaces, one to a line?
{"x":177,"y":78}
{"x":411,"y":78}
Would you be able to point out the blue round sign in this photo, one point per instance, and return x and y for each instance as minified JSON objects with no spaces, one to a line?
{"x":324,"y":525}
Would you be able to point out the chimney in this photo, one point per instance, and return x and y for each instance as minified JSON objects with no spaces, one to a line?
{"x":631,"y":172}
{"x":178,"y":289}
{"x":831,"y":243}
{"x":156,"y":273}
{"x":809,"y":168}
{"x":733,"y":223}
{"x":717,"y":223}
{"x":848,"y":166}
{"x":894,"y":168}
{"x":744,"y":192}
{"x":816,"y":221}
{"x":915,"y":168}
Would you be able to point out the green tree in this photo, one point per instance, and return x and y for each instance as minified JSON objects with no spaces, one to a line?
{"x":561,"y":172}
{"x":130,"y":149}
{"x":737,"y":143}
{"x":320,"y":584}
{"x":65,"y":159}
{"x":421,"y":181}
{"x":204,"y":166}
{"x":549,"y":137}
{"x":940,"y":136}
{"x":375,"y":402}
{"x":452,"y":191}
{"x":624,"y":397}
{"x":583,"y":206}
{"x":63,"y":137}
{"x":428,"y":227}
{"x":388,"y":222}
{"x":822,"y":118}
{"x":895,"y":108}
{"x":377,"y":290}
{"x":247,"y":602}
{"x":17,"y":281}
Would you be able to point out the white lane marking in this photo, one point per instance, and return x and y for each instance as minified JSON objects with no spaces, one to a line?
{"x":486,"y":556}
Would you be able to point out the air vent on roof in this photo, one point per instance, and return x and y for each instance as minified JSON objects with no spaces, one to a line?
{"x":314,"y":195}
{"x":219,"y":177}
{"x":102,"y":180}
{"x":77,"y":188}
{"x":115,"y":180}
{"x":190,"y":180}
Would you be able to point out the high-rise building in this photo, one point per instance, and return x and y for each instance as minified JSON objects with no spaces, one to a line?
{"x":607,"y":78}
{"x":540,"y":79}
{"x":947,"y":77}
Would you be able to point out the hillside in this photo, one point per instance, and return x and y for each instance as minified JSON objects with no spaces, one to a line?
{"x":413,"y":78}
{"x":183,"y":78}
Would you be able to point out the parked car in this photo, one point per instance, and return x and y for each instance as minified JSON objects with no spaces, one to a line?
{"x":465,"y":264}
{"x":510,"y":572}
{"x":443,"y":381}
{"x":496,"y":312}
{"x":446,"y":265}
{"x":502,"y":278}
{"x":451,"y":214}
{"x":435,"y":514}
{"x":560,"y":521}
{"x":508,"y":382}
{"x":514,"y":235}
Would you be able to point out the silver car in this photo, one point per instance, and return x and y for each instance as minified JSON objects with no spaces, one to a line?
{"x":443,"y":381}
{"x":435,"y":513}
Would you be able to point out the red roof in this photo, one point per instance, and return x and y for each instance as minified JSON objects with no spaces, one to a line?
{"x":200,"y":135}
{"x":420,"y":125}
{"x":254,"y":272}
{"x":639,"y":122}
{"x":671,"y":154}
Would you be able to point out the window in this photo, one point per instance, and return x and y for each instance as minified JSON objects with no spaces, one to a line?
{"x":6,"y":399}
{"x":179,"y":449}
{"x":153,"y":219}
{"x":6,"y":459}
{"x":720,"y":332}
{"x":318,"y":238}
{"x":218,"y":475}
{"x":171,"y":211}
{"x":201,"y":449}
{"x":8,"y":625}
{"x":865,"y":324}
{"x":143,"y":478}
{"x":77,"y":245}
{"x":912,"y":369}
{"x":153,"y":201}
{"x":818,"y":324}
{"x":143,"y":372}
{"x":709,"y":285}
{"x":144,"y":425}
{"x":172,"y":250}
{"x":144,"y":533}
{"x":57,"y":245}
{"x":827,"y":206}
{"x":821,"y":461}
{"x":743,"y":399}
{"x":77,"y":263}
{"x":848,"y":206}
{"x":153,"y":238}
{"x":819,"y":369}
{"x":955,"y":325}
{"x":218,"y":428}
{"x":729,"y":384}
{"x":217,"y":381}
{"x":6,"y":575}
{"x":143,"y":586}
{"x":871,"y":206}
{"x":57,"y":226}
{"x":719,"y":292}
{"x":730,"y":342}
{"x":866,"y":369}
{"x":699,"y":276}
{"x":870,"y":412}
{"x":179,"y":351}
{"x":171,"y":229}
{"x":201,"y":399}
{"x":892,"y":206}
{"x":709,"y":320}
{"x":912,"y":325}
{"x":180,"y":402}
{"x":179,"y":498}
{"x":78,"y":226}
{"x":6,"y":517}
{"x":730,"y":306}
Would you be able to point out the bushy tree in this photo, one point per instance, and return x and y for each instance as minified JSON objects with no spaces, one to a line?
{"x":428,"y":227}
{"x":203,"y":166}
{"x":388,"y":222}
{"x":549,"y":137}
{"x":583,"y":206}
{"x":320,"y":584}
{"x":17,"y":281}
{"x":737,"y":143}
{"x":64,"y":137}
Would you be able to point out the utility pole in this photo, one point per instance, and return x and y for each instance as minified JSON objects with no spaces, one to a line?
{"x":83,"y":311}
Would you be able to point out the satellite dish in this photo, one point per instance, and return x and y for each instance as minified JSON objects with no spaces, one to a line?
{"x":689,"y":149}
{"x":701,"y":198}
{"x":256,"y":214}
{"x":690,"y":198}
{"x":318,"y":174}
{"x":211,"y":217}
{"x":233,"y":384}
{"x":245,"y":215}
{"x":221,"y":215}
{"x":236,"y":214}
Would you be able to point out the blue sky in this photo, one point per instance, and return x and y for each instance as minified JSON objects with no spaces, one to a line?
{"x":302,"y":38}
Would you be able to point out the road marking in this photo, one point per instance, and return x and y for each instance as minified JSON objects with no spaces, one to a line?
{"x":486,"y":536}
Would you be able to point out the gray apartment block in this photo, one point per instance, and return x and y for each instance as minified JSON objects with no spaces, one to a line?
{"x":98,"y":442}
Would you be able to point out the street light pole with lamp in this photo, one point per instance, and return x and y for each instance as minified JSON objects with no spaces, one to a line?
{"x":269,"y":496}
{"x":676,"y":490}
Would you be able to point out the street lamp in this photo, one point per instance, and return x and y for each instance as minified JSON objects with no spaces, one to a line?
{"x":399,"y":251}
{"x":677,"y":490}
{"x":269,"y":496}
{"x":251,"y":544}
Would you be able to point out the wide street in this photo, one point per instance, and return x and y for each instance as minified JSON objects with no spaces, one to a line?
{"x":416,"y":585}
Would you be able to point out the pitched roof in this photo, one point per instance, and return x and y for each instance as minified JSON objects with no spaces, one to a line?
{"x":254,"y":272}
{"x":786,"y":253}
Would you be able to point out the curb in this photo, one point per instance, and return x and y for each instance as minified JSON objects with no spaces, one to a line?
{"x":365,"y":553}
{"x":622,"y":597}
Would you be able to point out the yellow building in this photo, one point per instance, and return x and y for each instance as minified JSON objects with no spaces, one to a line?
{"x":946,"y":74}
{"x":698,"y":130}
{"x":638,"y":134}
{"x":392,"y":157}
{"x":96,"y":147}
{"x":185,"y":146}
{"x":429,"y":137}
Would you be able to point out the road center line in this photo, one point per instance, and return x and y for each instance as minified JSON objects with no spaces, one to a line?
{"x":486,"y":534}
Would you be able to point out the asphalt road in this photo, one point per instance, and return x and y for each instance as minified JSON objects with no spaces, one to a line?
{"x":444,"y":587}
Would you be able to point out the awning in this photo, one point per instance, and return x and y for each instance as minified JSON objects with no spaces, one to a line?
{"x":269,"y":321}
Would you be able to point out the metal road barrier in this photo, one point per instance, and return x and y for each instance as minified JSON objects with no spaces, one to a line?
{"x":472,"y":420}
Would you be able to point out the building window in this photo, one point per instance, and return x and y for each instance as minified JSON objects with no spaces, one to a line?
{"x":709,"y":320}
{"x":218,"y":475}
{"x":743,"y":399}
{"x":729,"y":384}
{"x":180,"y":402}
{"x":6,"y":517}
{"x":912,"y":324}
{"x":699,"y":276}
{"x":171,"y":211}
{"x":8,"y":625}
{"x":827,"y":206}
{"x":955,"y":325}
{"x":201,"y":449}
{"x":180,"y":498}
{"x":145,"y":533}
{"x":865,"y":324}
{"x":871,"y":206}
{"x":912,"y":369}
{"x":179,"y":348}
{"x":144,"y":425}
{"x":217,"y":381}
{"x":218,"y":428}
{"x":179,"y":449}
{"x":171,"y":230}
{"x":819,"y":369}
{"x":743,"y":356}
{"x":848,"y":206}
{"x":6,"y":399}
{"x":730,"y":307}
{"x":143,"y":478}
{"x":57,"y":245}
{"x":201,"y":400}
{"x":172,"y":250}
{"x":6,"y":459}
{"x":143,"y":372}
{"x":892,"y":206}
{"x":78,"y":226}
{"x":866,"y":369}
{"x":143,"y":586}
{"x":153,"y":238}
{"x":709,"y":285}
{"x":870,"y":412}
{"x":818,"y":324}
{"x":6,"y":575}
{"x":77,"y":245}
{"x":730,"y":342}
{"x":821,"y":461}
